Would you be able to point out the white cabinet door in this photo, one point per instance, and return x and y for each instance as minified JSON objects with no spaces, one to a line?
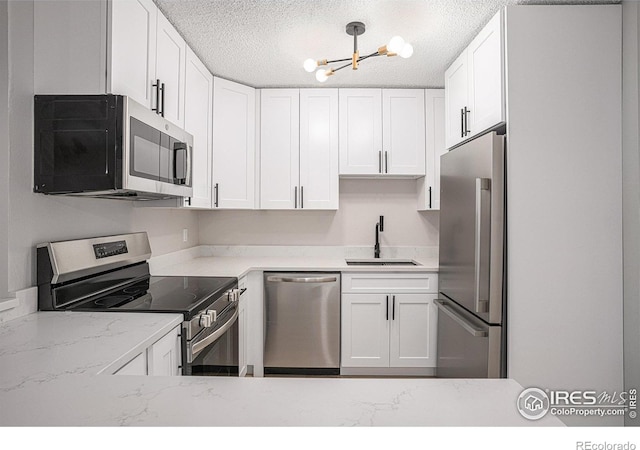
{"x":429,"y":186}
{"x":234,"y":128}
{"x":137,"y":366}
{"x":198,"y":121}
{"x":403,"y":131}
{"x":319,"y":149}
{"x":456,"y":96}
{"x":132,"y":67}
{"x":171,"y":53}
{"x":360,"y":131}
{"x":279,"y":148}
{"x":412,"y":341}
{"x":164,"y":355}
{"x":365,"y":330}
{"x":484,"y":58}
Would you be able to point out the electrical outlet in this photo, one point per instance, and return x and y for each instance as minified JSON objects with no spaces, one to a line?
{"x":185,"y":235}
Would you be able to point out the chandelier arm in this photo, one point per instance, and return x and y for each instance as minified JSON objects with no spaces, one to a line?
{"x":362,"y":58}
{"x":338,"y":60}
{"x":342,"y":67}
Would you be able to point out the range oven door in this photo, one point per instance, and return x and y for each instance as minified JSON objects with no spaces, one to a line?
{"x":214,"y":351}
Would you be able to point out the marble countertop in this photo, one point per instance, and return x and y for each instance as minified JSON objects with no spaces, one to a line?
{"x":54,"y":370}
{"x":40,"y":347}
{"x":213,"y":401}
{"x":238,"y":266}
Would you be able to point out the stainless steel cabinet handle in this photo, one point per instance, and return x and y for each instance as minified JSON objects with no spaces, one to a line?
{"x":462,"y":127}
{"x":303,"y":279}
{"x":430,"y":197}
{"x":215,"y":195}
{"x":295,"y":196}
{"x":482,"y":238}
{"x":386,"y":162}
{"x":204,"y":343}
{"x":301,"y":196}
{"x":162,"y":100}
{"x":380,"y":161}
{"x":473,"y":331}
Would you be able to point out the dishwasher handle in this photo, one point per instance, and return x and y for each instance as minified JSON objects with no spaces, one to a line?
{"x":303,"y":279}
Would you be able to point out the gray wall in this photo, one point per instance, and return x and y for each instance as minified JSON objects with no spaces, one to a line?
{"x":631,"y":194}
{"x":34,"y":218}
{"x":4,"y":152}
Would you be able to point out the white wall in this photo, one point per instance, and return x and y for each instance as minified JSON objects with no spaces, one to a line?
{"x":564,"y":207}
{"x":361,"y":202}
{"x":35,"y":218}
{"x":631,"y":193}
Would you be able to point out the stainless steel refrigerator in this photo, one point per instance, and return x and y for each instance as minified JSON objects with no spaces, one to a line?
{"x":472,"y":297}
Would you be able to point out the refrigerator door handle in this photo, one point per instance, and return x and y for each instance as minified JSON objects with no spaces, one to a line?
{"x":482,"y":244}
{"x":469,"y":328}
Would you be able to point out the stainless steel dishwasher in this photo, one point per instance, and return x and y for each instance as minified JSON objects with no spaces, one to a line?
{"x":302,"y":323}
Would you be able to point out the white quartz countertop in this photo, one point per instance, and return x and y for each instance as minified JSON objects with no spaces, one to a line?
{"x":237,"y":266}
{"x":40,"y":347}
{"x":54,"y":366}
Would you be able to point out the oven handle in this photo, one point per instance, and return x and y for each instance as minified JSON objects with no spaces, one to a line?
{"x":204,"y":343}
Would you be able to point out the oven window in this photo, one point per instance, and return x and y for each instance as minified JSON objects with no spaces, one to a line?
{"x":220,"y":358}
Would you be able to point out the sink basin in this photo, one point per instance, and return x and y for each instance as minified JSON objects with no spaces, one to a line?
{"x":381,"y":262}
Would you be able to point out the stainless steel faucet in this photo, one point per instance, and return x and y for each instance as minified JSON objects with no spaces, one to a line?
{"x":379,"y":229}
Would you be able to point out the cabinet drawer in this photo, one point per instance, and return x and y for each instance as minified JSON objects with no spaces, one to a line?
{"x":409,"y":283}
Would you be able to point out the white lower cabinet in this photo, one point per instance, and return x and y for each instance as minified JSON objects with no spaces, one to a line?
{"x":165,"y":356}
{"x":137,"y":366}
{"x":162,"y":358}
{"x":389,"y":321}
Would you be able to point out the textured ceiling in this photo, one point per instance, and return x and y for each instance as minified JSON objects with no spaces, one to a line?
{"x":263,"y":43}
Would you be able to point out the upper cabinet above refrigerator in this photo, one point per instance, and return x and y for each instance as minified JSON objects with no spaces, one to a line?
{"x":474,"y":86}
{"x":110,"y":46}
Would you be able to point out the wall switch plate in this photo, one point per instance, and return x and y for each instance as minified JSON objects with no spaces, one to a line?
{"x":185,"y":235}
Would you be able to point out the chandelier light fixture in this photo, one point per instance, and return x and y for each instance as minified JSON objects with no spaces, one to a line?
{"x":396,"y":46}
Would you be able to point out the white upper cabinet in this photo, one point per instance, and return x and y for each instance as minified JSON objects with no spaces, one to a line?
{"x":319,"y":149}
{"x":234,"y":128}
{"x":171,"y":54}
{"x":360,"y":131}
{"x":382,"y":132}
{"x":132,"y":58}
{"x":299,"y":149}
{"x":110,"y":46}
{"x":198,"y":121}
{"x":456,"y":99}
{"x":279,"y":148}
{"x":429,"y":186}
{"x":403,"y":128}
{"x":474,"y":86}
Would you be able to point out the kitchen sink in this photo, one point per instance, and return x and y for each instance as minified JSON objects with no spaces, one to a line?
{"x":382,"y":262}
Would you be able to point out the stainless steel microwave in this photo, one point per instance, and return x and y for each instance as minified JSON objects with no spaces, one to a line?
{"x":108,"y":146}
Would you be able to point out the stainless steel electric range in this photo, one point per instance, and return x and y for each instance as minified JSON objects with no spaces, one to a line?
{"x":111,"y":273}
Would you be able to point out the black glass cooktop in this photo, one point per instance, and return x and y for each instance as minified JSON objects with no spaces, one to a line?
{"x":186,"y":295}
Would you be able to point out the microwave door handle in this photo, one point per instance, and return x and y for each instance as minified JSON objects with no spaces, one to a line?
{"x":185,"y":164}
{"x":187,"y":175}
{"x":482,"y":238}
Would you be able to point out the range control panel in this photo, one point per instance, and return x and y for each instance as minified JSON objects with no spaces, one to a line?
{"x":107,"y":249}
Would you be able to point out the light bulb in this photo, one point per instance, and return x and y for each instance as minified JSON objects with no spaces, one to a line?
{"x":406,"y":51}
{"x":310,"y":65}
{"x":321,"y":75}
{"x":395,"y":44}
